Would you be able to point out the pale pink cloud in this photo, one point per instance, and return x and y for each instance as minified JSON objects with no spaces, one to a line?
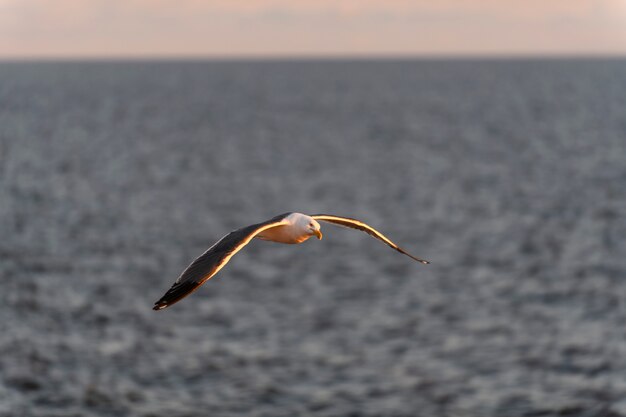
{"x":282,"y":27}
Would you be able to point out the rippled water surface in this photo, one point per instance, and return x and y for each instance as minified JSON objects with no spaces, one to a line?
{"x":510,"y":176}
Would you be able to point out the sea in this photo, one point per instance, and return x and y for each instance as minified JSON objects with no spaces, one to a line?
{"x":509,"y":175}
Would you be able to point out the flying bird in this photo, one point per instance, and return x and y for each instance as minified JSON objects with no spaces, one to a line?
{"x":286,"y":228}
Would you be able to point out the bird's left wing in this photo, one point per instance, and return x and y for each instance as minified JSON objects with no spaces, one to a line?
{"x":359,"y":225}
{"x":210,"y":262}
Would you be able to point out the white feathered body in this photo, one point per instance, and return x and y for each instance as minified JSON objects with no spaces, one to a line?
{"x":296,"y":231}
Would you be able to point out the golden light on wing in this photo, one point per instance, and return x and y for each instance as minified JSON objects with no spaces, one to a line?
{"x":364,"y":227}
{"x":211,"y":262}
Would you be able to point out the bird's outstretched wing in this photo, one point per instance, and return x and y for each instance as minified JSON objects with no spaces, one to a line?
{"x":359,"y":225}
{"x":210,"y":262}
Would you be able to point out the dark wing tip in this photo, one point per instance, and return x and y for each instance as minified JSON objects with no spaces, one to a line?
{"x":178,"y":291}
{"x":158,"y":307}
{"x":161,"y":304}
{"x":422,"y":261}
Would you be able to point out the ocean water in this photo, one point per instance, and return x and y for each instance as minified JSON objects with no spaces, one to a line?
{"x":510,"y":176}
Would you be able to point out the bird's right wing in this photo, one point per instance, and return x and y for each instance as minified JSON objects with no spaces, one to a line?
{"x":359,"y":225}
{"x":210,"y":262}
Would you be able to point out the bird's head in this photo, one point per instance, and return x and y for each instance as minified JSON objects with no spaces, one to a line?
{"x":313,"y":227}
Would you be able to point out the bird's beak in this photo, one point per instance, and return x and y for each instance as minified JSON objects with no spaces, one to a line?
{"x":318,"y":233}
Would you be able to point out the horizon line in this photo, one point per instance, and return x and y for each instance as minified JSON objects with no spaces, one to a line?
{"x":253,"y":57}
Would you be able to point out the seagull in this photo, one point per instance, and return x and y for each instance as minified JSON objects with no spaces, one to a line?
{"x":290,"y":228}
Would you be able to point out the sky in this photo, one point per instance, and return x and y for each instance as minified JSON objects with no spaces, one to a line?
{"x":277,"y":28}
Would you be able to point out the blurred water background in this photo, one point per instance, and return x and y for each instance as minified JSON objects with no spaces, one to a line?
{"x":510,"y":176}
